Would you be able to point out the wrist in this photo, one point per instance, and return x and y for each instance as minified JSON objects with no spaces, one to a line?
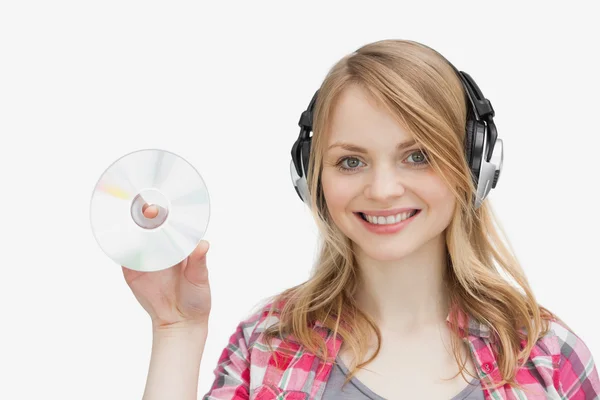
{"x":175,"y":361}
{"x":181,"y":330}
{"x":188,"y":340}
{"x":180,"y":327}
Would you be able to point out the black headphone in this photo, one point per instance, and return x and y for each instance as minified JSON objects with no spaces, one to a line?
{"x":484,"y":150}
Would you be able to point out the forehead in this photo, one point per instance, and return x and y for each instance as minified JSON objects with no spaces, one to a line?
{"x":357,"y":117}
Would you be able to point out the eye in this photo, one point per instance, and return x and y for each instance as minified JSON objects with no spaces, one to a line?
{"x":348,"y":164}
{"x":420,"y":159}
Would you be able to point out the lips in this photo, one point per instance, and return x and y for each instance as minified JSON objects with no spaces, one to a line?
{"x":375,"y":219}
{"x":386,"y":228}
{"x":385,"y":213}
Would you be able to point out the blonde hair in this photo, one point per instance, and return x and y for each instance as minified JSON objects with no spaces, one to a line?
{"x":419,"y":88}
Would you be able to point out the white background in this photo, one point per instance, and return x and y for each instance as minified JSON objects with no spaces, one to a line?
{"x":223,"y":85}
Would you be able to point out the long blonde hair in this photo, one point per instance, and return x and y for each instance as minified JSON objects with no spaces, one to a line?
{"x":419,"y":88}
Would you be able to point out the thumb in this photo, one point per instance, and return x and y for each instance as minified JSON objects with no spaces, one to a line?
{"x":195,"y":270}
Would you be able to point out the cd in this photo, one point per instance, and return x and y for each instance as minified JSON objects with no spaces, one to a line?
{"x":149,"y":210}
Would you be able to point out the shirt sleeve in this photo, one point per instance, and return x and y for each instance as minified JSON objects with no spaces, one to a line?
{"x":578,"y":373}
{"x":232,"y":374}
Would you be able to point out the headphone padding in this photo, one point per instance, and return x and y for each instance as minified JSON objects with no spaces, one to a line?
{"x":305,"y":157}
{"x":469,"y":135}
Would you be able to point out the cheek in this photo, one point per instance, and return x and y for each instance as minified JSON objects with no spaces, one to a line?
{"x":437,"y":195}
{"x":338,"y":193}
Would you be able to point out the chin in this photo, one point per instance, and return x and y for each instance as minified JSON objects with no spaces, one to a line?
{"x":385,"y":252}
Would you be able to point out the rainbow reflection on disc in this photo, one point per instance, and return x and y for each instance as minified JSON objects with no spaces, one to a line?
{"x":127,"y":187}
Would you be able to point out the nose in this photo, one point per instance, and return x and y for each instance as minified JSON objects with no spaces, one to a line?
{"x":385,"y":183}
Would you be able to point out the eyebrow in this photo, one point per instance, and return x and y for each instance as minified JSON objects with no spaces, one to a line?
{"x":358,"y":149}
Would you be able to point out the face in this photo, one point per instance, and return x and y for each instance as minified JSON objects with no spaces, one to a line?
{"x":371,"y":170}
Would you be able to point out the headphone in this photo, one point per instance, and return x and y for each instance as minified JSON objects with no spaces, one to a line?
{"x":483,"y":149}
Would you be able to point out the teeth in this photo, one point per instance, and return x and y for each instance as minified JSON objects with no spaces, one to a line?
{"x":391,"y":219}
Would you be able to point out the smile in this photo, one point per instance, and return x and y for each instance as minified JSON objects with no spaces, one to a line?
{"x":387,"y":224}
{"x":390,"y":219}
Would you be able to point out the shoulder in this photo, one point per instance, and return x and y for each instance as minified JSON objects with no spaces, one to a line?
{"x":574,"y":355}
{"x":245,"y":359}
{"x":573,"y":368}
{"x":251,"y":328}
{"x":251,"y":336}
{"x":564,"y":344}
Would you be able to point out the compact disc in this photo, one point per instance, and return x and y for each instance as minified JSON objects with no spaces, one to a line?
{"x":149,"y":210}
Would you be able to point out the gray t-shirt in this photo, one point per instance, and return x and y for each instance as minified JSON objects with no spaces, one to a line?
{"x":356,"y":390}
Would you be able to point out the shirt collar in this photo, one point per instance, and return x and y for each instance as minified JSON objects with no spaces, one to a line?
{"x":471,"y":326}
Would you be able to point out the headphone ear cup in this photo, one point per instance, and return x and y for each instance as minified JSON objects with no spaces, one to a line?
{"x":299,"y":169}
{"x":474,"y":143}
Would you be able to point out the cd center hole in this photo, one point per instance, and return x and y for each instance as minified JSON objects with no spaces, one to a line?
{"x":149,"y":210}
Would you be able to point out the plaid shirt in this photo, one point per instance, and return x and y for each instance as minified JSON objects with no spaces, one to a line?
{"x":560,"y":365}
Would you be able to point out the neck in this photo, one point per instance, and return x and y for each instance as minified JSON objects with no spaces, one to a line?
{"x":408,"y":295}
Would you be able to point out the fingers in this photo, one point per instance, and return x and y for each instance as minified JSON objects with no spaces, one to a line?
{"x":149,"y":211}
{"x":196,"y":271}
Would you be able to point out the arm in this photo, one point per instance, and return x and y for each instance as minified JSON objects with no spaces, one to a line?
{"x":175,"y":366}
{"x":175,"y":363}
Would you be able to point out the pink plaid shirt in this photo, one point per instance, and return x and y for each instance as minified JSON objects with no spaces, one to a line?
{"x":560,"y":365}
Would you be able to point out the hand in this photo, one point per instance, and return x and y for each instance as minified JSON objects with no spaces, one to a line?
{"x":177,"y":297}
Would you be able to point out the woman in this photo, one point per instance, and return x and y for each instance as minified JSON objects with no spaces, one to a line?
{"x":406,"y":299}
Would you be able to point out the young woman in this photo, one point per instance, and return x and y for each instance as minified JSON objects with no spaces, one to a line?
{"x":407,"y":299}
